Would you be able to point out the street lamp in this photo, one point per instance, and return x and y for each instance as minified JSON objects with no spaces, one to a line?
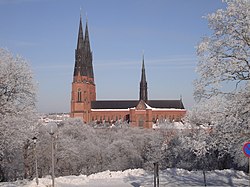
{"x":156,"y":174}
{"x":34,"y":140}
{"x":52,"y":128}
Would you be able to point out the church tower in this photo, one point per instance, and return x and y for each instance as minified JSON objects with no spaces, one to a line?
{"x":83,"y":85}
{"x":143,"y":84}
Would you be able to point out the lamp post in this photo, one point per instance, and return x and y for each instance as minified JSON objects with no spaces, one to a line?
{"x":156,"y":174}
{"x":52,"y":128}
{"x":34,"y":140}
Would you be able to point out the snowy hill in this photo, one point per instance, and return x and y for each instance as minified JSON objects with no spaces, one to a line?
{"x":141,"y":178}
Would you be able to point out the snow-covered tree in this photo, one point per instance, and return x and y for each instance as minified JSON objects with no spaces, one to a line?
{"x":224,"y":57}
{"x":82,"y":149}
{"x":17,"y":111}
{"x":222,"y":89}
{"x":17,"y":88}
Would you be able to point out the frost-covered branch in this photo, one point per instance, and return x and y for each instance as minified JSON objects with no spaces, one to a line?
{"x":224,"y":56}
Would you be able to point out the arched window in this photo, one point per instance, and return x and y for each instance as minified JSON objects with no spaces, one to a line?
{"x":79,"y":95}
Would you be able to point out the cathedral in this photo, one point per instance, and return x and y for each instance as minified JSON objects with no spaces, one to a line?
{"x":139,"y":113}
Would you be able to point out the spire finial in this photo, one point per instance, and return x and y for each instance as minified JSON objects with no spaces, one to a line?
{"x":143,"y":55}
{"x":81,"y":12}
{"x":86,"y":17}
{"x":80,"y":35}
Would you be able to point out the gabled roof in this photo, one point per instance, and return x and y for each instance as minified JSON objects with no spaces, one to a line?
{"x":125,"y":104}
{"x":141,"y":105}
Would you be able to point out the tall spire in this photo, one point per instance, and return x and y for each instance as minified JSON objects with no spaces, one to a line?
{"x":83,"y":54}
{"x":143,"y":83}
{"x":86,"y":39}
{"x":80,"y":35}
{"x":87,"y":52}
{"x":79,"y":64}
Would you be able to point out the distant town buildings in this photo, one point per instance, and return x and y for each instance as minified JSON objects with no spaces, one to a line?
{"x":53,"y":117}
{"x":138,"y":113}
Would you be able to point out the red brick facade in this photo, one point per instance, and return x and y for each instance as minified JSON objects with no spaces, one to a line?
{"x":141,"y":113}
{"x":139,"y":116}
{"x":83,"y":92}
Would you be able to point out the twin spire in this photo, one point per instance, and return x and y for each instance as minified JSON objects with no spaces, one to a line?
{"x":83,"y":61}
{"x":81,"y":43}
{"x":83,"y":53}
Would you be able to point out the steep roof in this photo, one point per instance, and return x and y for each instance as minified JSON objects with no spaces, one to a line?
{"x":114,"y":104}
{"x":125,"y":104}
{"x":166,"y":104}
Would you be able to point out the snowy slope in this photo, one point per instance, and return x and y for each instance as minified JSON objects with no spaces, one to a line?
{"x":141,"y":178}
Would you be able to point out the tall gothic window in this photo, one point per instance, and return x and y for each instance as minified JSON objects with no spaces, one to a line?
{"x":79,"y":95}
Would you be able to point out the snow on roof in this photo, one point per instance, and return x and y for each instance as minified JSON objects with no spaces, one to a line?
{"x":169,"y":109}
{"x":106,"y":110}
{"x":148,"y":107}
{"x":155,"y":109}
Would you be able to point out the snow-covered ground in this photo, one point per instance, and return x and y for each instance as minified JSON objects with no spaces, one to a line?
{"x":141,"y":178}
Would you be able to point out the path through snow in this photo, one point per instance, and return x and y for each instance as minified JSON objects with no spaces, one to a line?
{"x":141,"y":178}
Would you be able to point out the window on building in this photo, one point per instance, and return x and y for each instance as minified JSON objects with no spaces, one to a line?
{"x":79,"y":95}
{"x":141,"y":122}
{"x":178,"y":118}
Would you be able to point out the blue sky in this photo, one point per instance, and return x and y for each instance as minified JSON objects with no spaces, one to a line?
{"x":45,"y":33}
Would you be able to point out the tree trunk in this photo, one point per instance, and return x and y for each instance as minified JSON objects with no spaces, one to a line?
{"x":204,"y":175}
{"x":25,"y":158}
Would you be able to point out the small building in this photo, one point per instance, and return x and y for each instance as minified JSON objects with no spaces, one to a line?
{"x":139,"y":113}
